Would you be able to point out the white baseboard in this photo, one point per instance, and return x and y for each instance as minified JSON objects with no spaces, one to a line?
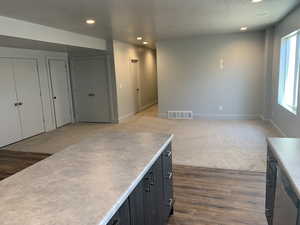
{"x":121,"y":118}
{"x":277,"y":128}
{"x":274,"y":125}
{"x":148,"y":105}
{"x":227,"y":116}
{"x":263,"y":118}
{"x":220,"y":116}
{"x":162,"y":115}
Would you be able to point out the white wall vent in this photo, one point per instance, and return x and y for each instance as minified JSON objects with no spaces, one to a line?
{"x":180,"y":115}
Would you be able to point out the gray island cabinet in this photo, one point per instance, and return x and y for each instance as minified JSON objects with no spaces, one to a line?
{"x":151,"y":202}
{"x":112,"y":178}
{"x":283,"y":182}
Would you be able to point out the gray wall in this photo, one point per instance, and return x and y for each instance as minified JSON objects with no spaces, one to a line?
{"x":190,"y":75}
{"x":286,"y":121}
{"x":268,"y":69}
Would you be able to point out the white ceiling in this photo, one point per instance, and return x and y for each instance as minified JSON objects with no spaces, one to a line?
{"x":152,"y":19}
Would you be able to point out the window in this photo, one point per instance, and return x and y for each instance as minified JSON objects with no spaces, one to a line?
{"x":289,"y":72}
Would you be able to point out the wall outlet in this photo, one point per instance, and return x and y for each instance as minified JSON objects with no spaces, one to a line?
{"x":220,"y":108}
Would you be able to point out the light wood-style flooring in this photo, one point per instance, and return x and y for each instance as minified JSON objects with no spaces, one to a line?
{"x":206,"y":196}
{"x":12,"y":162}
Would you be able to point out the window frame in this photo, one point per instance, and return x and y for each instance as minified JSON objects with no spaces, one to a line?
{"x":283,"y":71}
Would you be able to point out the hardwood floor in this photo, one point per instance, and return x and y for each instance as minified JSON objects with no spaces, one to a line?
{"x":12,"y":162}
{"x":218,"y":197}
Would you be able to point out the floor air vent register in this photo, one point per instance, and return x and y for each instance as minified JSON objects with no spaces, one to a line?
{"x":180,"y":115}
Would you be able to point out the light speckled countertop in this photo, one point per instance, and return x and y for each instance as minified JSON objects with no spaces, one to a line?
{"x":83,"y":185}
{"x":287,"y":153}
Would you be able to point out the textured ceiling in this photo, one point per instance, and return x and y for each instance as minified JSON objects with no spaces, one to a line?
{"x":152,"y":19}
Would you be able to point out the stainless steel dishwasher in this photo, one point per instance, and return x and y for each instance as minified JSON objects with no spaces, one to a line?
{"x":285,"y":209}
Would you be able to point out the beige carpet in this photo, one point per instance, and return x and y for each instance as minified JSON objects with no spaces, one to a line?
{"x":225,"y":144}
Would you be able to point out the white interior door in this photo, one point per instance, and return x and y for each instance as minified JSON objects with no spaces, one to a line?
{"x":90,"y":78}
{"x":136,"y":89}
{"x":10,"y":130}
{"x":29,"y":97}
{"x":60,"y":88}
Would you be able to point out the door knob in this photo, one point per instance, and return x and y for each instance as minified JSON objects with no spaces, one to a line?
{"x":137,"y":89}
{"x":54,"y":97}
{"x":20,"y":103}
{"x":16,"y":104}
{"x":91,"y":94}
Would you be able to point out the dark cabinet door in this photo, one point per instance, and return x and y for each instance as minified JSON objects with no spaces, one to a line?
{"x":149,"y":209}
{"x":151,"y":201}
{"x":136,"y":203}
{"x":153,"y":195}
{"x":122,"y":217}
{"x":115,"y":220}
{"x":168,"y":182}
{"x":270,"y":186}
{"x":158,"y":191}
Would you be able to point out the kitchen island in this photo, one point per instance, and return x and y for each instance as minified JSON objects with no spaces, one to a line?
{"x":110,"y":178}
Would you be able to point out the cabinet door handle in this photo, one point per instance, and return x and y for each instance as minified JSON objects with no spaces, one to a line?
{"x":116,"y":222}
{"x":18,"y":104}
{"x":170,"y":203}
{"x":147,"y":186}
{"x":169,"y":154}
{"x":170,"y":175}
{"x":152,"y":179}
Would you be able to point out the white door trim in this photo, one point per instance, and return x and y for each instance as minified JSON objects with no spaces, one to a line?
{"x":48,"y":59}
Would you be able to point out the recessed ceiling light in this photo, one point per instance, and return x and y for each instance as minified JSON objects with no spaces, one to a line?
{"x":139,"y":38}
{"x":256,"y":1}
{"x":244,"y":28}
{"x":145,"y":42}
{"x":90,"y":21}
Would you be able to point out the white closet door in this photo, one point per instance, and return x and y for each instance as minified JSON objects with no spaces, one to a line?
{"x":61,"y":99}
{"x":29,"y":95}
{"x":10,"y":130}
